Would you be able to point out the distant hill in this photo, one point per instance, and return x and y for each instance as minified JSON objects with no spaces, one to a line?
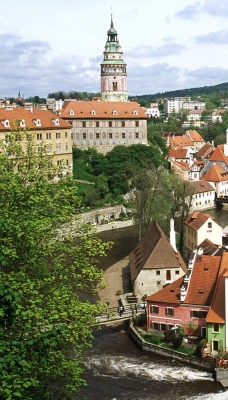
{"x":221,"y":89}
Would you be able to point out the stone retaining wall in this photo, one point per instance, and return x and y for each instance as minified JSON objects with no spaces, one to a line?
{"x":169,"y":353}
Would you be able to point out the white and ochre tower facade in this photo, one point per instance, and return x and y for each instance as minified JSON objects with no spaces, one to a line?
{"x":113,"y":70}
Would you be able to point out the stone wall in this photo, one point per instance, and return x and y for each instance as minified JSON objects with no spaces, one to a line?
{"x":172,"y":354}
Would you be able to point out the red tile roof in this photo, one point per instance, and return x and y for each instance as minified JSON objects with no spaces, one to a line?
{"x":182,"y":165}
{"x":195,"y":136}
{"x":216,"y":313}
{"x":218,"y":154}
{"x":201,"y":284}
{"x":216,"y":174}
{"x":197,"y":219}
{"x":203,"y":280}
{"x":202,"y":186}
{"x":103,"y":109}
{"x":46,"y":117}
{"x":183,"y":141}
{"x":169,"y":294}
{"x":205,"y":151}
{"x":177,"y":153}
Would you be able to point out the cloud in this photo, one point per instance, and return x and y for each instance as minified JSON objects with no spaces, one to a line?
{"x":219,"y":37}
{"x":189,"y":12}
{"x":167,"y":49}
{"x":162,"y":77}
{"x":215,"y":7}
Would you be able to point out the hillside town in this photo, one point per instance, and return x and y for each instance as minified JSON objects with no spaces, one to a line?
{"x":189,"y":291}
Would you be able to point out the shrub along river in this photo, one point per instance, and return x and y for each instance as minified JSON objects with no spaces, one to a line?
{"x":116,"y":369}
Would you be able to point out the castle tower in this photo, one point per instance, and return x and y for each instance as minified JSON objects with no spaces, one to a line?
{"x":113,"y":69}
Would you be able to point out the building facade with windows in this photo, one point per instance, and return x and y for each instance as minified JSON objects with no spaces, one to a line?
{"x":47,"y":129}
{"x":199,"y":227}
{"x":154,"y":262}
{"x":105,"y":124}
{"x":186,"y":301}
{"x":203,"y":197}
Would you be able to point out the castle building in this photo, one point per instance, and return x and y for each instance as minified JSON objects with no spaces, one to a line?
{"x":113,"y":69}
{"x":114,"y":120}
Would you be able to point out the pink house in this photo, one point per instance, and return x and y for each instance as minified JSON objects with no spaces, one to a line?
{"x":186,"y":301}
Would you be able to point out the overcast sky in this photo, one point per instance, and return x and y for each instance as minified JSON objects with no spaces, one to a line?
{"x":51,"y":45}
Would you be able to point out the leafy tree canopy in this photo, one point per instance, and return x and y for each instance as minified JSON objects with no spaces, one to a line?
{"x":44,"y":322}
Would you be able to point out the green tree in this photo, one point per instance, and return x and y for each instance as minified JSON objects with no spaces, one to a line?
{"x":45,"y":275}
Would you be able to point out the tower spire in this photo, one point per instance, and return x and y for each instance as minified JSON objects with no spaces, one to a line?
{"x":113,"y":69}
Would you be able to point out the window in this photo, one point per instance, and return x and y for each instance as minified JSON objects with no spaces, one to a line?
{"x":114,"y":86}
{"x":163,"y":327}
{"x":136,"y":135}
{"x":177,"y":272}
{"x":123,"y":135}
{"x":59,"y":162}
{"x":169,"y":311}
{"x":158,"y":273}
{"x":137,"y":124}
{"x":123,"y":124}
{"x":84,"y":136}
{"x":168,"y":275}
{"x":39,"y":136}
{"x":155,"y":326}
{"x":67,"y":147}
{"x":65,"y":135}
{"x":110,"y":124}
{"x":84,"y":124}
{"x":48,"y":136}
{"x":110,"y":135}
{"x":58,"y":147}
{"x":209,"y":225}
{"x":154,"y":310}
{"x":97,"y":124}
{"x":97,"y":135}
{"x":216,"y":328}
{"x":203,"y":313}
{"x":195,"y":313}
{"x":215,"y":345}
{"x":57,"y":135}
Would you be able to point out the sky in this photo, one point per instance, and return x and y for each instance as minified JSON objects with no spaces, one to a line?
{"x":52,"y":45}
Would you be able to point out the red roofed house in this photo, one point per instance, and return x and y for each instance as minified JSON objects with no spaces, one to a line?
{"x":196,"y":138}
{"x":186,"y":301}
{"x":154,"y":262}
{"x":217,"y":176}
{"x":46,"y":128}
{"x":198,"y":227}
{"x":204,"y":195}
{"x":181,"y":169}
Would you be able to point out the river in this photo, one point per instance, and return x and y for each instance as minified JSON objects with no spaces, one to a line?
{"x":116,"y":369}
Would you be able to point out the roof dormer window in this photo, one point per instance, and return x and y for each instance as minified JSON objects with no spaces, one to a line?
{"x":22,"y":123}
{"x":71,"y":112}
{"x":37,"y":122}
{"x":93,"y":112}
{"x":56,"y":121}
{"x":114,"y":112}
{"x":135,"y":112}
{"x":6,"y":123}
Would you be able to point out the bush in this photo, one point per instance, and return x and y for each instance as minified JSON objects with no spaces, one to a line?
{"x":154,"y":337}
{"x":176,"y":340}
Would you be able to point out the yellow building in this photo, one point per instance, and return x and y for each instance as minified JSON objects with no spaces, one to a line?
{"x":47,"y":129}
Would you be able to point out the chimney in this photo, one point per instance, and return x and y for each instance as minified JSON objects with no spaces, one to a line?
{"x":172,"y":235}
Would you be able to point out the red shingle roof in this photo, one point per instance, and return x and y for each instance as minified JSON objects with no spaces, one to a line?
{"x":216,"y":313}
{"x":103,"y":109}
{"x":216,"y":174}
{"x":197,"y":219}
{"x":202,"y":186}
{"x":218,"y":154}
{"x":48,"y":120}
